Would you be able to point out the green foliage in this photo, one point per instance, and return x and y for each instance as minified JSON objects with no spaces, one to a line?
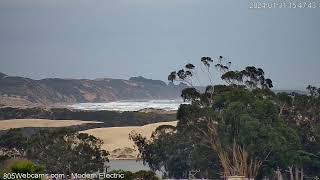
{"x":59,"y":151}
{"x":140,"y":175}
{"x":12,"y":144}
{"x":20,"y":166}
{"x":128,"y":175}
{"x":302,"y":112}
{"x":111,"y":118}
{"x":67,"y":151}
{"x":145,"y":175}
{"x":178,"y":150}
{"x":277,"y":131}
{"x":27,"y":167}
{"x":248,"y":119}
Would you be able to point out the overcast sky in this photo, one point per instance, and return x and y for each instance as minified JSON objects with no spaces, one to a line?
{"x":124,"y":38}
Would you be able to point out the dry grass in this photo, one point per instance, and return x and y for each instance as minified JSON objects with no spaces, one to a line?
{"x":22,"y":123}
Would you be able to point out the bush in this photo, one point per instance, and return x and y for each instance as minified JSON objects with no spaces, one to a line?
{"x":140,"y":175}
{"x":20,"y":166}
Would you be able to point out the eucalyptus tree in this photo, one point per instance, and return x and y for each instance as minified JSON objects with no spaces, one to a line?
{"x":13,"y":144}
{"x":240,"y":127}
{"x":66,"y":151}
{"x":302,"y":112}
{"x":240,"y":124}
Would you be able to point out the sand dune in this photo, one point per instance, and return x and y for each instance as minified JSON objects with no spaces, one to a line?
{"x":117,"y":141}
{"x":21,"y":123}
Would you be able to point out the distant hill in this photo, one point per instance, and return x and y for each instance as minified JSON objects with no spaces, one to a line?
{"x":20,"y":91}
{"x":291,"y":91}
{"x":53,"y":90}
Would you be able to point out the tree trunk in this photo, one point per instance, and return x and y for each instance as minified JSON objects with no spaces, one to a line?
{"x":296,"y":172}
{"x":279,"y":175}
{"x":291,"y":172}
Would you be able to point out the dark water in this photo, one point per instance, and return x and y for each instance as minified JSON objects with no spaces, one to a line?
{"x":127,"y":165}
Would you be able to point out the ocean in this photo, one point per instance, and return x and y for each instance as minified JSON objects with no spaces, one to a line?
{"x":166,"y":105}
{"x":134,"y":105}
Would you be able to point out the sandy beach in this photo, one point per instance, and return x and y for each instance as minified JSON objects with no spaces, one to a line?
{"x":22,"y":123}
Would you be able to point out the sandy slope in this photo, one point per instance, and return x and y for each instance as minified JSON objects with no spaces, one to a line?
{"x":116,"y":138}
{"x":21,"y":123}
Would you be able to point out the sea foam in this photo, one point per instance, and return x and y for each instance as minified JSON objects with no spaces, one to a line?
{"x":167,"y":105}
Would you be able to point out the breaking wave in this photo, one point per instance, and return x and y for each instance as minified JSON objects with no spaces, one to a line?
{"x":167,"y":105}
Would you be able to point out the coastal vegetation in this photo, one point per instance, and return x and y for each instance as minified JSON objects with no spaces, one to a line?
{"x":57,"y":151}
{"x":19,"y":166}
{"x":109,"y":118}
{"x":239,"y":128}
{"x":140,"y":175}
